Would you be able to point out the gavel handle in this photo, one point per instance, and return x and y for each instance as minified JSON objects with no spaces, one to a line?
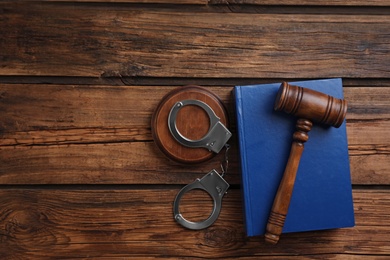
{"x":283,"y":196}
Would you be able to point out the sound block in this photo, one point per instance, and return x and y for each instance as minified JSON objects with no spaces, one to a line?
{"x":192,"y":122}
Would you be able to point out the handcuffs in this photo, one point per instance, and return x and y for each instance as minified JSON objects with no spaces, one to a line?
{"x":216,"y":137}
{"x":213,"y":141}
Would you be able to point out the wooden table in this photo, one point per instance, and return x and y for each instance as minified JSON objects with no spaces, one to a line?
{"x":80,"y":175}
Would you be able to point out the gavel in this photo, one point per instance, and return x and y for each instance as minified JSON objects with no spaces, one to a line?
{"x":309,"y":106}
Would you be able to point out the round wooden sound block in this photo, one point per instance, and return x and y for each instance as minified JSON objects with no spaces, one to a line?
{"x":192,"y":121}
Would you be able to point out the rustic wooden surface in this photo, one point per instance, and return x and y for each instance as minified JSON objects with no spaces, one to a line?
{"x":80,"y":175}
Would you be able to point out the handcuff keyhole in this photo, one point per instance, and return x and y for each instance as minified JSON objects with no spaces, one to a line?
{"x":192,"y":122}
{"x":196,"y":205}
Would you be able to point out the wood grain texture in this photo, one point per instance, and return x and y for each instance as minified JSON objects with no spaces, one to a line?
{"x":80,"y":176}
{"x":44,"y":40}
{"x":40,"y":111}
{"x":128,"y":1}
{"x":73,"y":134}
{"x":72,"y":223}
{"x":284,"y":193}
{"x":191,"y":121}
{"x":122,"y":163}
{"x":237,"y":2}
{"x":305,"y":2}
{"x":142,"y":163}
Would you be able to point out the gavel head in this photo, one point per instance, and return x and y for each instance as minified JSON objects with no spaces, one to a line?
{"x":310,"y":104}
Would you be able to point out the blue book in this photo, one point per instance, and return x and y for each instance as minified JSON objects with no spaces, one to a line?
{"x":322,"y":195}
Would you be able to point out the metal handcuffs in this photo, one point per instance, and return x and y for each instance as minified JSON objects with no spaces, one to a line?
{"x":212,"y":183}
{"x":216,"y":137}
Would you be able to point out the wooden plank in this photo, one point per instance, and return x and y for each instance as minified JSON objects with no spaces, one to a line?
{"x":53,"y":134}
{"x":305,"y":2}
{"x":40,"y":107}
{"x":63,"y":114}
{"x":121,"y":163}
{"x":367,"y":103}
{"x":238,"y":2}
{"x":371,"y":169}
{"x":133,"y":1}
{"x":138,"y":1}
{"x":139,"y":223}
{"x":142,"y":163}
{"x":99,"y":41}
{"x":50,"y":107}
{"x":85,"y":110}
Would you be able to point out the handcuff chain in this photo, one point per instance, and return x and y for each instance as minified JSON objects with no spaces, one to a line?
{"x":225,"y":162}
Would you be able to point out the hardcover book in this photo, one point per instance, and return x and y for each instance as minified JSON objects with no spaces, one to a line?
{"x":322,"y":195}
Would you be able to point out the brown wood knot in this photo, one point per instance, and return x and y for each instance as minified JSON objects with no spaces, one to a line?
{"x":222,"y":237}
{"x":28,"y":227}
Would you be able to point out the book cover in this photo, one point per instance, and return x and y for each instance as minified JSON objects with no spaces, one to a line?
{"x":322,"y":195}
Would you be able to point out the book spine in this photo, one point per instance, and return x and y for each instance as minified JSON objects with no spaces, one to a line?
{"x":242,"y":152}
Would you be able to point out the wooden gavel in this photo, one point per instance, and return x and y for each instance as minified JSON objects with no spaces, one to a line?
{"x":308,"y":105}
